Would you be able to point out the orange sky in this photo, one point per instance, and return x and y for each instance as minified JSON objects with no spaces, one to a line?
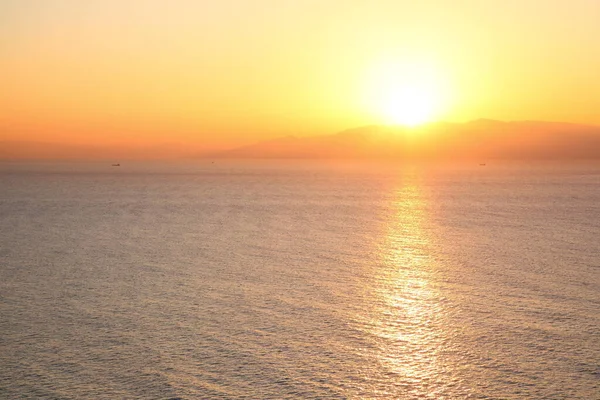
{"x":220,"y":73}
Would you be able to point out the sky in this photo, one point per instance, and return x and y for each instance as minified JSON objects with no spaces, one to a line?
{"x":222,"y":73}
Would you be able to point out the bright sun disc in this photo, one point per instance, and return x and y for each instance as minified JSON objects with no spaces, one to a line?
{"x":405,"y":93}
{"x":410,"y":105}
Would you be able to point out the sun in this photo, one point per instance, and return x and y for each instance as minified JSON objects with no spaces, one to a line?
{"x":405,"y":93}
{"x":409,"y":105}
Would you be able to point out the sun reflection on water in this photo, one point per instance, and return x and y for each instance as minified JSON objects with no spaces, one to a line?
{"x":407,"y":317}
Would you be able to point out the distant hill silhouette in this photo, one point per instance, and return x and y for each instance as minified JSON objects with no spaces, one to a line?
{"x":479,"y":139}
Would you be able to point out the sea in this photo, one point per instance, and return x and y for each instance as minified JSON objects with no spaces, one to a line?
{"x":299,"y":280}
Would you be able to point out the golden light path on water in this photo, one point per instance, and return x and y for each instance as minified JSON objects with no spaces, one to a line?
{"x":408,"y":316}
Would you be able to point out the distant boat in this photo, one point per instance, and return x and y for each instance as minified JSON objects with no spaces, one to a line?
{"x":482,"y":165}
{"x":116,"y":165}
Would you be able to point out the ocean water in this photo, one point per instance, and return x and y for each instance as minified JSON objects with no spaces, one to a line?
{"x":299,"y":281}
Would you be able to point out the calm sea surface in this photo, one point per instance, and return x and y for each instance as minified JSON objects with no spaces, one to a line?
{"x":299,"y":281}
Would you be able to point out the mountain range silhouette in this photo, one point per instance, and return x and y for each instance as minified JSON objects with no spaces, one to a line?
{"x":479,"y":139}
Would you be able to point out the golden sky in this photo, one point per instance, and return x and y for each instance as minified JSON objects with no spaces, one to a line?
{"x":218,"y":73}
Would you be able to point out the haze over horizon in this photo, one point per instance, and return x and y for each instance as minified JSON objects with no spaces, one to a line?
{"x":475,"y":140}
